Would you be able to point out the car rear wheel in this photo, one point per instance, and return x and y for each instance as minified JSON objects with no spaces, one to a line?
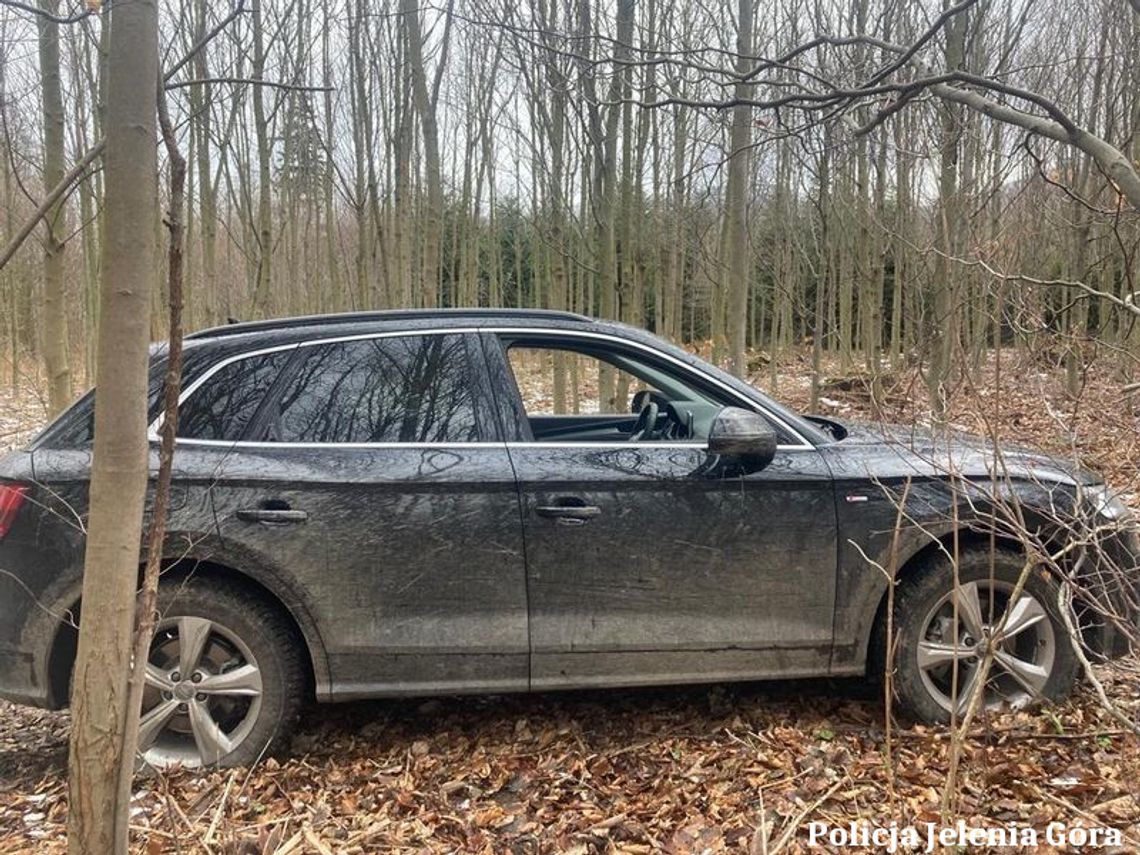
{"x":939,"y":626}
{"x":224,"y":678}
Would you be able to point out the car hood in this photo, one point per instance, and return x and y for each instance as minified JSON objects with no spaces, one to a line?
{"x":926,"y":452}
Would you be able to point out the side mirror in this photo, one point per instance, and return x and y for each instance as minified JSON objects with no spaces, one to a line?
{"x":742,"y":437}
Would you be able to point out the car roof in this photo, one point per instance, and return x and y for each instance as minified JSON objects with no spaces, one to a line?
{"x":347,"y":323}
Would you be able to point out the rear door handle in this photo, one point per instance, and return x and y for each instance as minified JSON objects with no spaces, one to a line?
{"x":580,"y":513}
{"x":272,"y":516}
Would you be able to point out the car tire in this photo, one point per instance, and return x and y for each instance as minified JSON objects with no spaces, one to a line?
{"x":1033,"y":660}
{"x":246,"y":679}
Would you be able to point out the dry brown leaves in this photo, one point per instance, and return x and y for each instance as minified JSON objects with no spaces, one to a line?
{"x":718,"y":769}
{"x":676,"y":771}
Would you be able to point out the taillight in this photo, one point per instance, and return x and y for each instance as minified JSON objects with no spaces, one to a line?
{"x":11,"y":499}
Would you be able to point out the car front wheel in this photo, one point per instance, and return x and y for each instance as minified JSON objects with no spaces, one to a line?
{"x":938,"y":625}
{"x":224,"y":678}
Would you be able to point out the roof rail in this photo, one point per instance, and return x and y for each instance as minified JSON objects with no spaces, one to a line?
{"x":240,"y":328}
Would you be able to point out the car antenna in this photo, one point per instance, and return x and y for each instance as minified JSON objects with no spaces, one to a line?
{"x":233,"y":320}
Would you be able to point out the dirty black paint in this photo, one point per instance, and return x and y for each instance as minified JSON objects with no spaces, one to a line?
{"x":676,"y":561}
{"x":410,"y":560}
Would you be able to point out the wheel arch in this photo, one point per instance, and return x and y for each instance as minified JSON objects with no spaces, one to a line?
{"x":916,"y":562}
{"x":61,"y":656}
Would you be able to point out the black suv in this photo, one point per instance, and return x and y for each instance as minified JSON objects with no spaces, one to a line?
{"x":409,"y":503}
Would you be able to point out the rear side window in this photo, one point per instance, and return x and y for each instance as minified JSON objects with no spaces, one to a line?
{"x":224,"y":405}
{"x":398,"y":389}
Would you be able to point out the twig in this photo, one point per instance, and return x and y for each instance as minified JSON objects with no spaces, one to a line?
{"x":246,"y":81}
{"x":889,"y":653}
{"x":173,"y":803}
{"x":1065,"y":607}
{"x":290,"y":845}
{"x":48,"y":16}
{"x":607,"y":824}
{"x":57,"y":192}
{"x":1068,"y":805}
{"x":315,"y":841}
{"x":790,"y":829}
{"x":759,"y":845}
{"x":209,"y":835}
{"x":169,"y":803}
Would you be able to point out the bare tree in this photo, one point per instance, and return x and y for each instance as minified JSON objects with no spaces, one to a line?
{"x":99,"y":793}
{"x":736,"y":257}
{"x":56,"y":341}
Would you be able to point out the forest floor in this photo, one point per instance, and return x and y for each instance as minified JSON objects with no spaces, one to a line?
{"x":665,"y":770}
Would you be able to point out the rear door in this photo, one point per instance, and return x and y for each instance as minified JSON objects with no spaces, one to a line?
{"x":643,"y":565}
{"x":374,"y":487}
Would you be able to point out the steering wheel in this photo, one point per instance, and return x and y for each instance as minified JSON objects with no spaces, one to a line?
{"x":646,"y":421}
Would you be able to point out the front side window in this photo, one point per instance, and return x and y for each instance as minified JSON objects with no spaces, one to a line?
{"x":581,"y":392}
{"x":397,"y":389}
{"x":554,"y":381}
{"x":226,"y":402}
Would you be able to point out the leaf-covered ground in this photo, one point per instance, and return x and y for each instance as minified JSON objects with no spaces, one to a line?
{"x":681,"y":770}
{"x":698,"y":769}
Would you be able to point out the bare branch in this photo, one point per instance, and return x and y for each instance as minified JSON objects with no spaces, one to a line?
{"x":73,"y":18}
{"x":58,"y":192}
{"x":77,"y":172}
{"x":208,"y":37}
{"x":246,"y":81}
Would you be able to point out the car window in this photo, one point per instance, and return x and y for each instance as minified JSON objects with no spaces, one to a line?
{"x":580,"y":392}
{"x":223,"y":406}
{"x":398,"y":389}
{"x":553,"y":381}
{"x":563,"y":383}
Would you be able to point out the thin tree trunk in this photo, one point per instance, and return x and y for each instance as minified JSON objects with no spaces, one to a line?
{"x":944,"y":326}
{"x":56,"y":343}
{"x":97,"y":811}
{"x":425,"y":107}
{"x":736,"y":256}
{"x":146,"y":614}
{"x":262,"y":299}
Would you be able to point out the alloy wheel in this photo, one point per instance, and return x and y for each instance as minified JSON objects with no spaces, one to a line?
{"x":202,"y":694}
{"x":1019,"y":634}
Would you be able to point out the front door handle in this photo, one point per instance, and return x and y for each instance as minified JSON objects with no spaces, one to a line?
{"x":272,"y":516}
{"x":578,"y":513}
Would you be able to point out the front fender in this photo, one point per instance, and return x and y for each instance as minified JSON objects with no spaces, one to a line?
{"x":935,"y":509}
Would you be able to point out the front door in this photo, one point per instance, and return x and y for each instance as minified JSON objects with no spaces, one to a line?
{"x":644,"y":564}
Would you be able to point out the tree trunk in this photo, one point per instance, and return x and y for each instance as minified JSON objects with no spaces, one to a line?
{"x":98,"y":809}
{"x":735,"y":247}
{"x":944,"y":327}
{"x":262,"y":303}
{"x":200,"y":100}
{"x":56,"y":343}
{"x":425,"y":107}
{"x":822,"y":274}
